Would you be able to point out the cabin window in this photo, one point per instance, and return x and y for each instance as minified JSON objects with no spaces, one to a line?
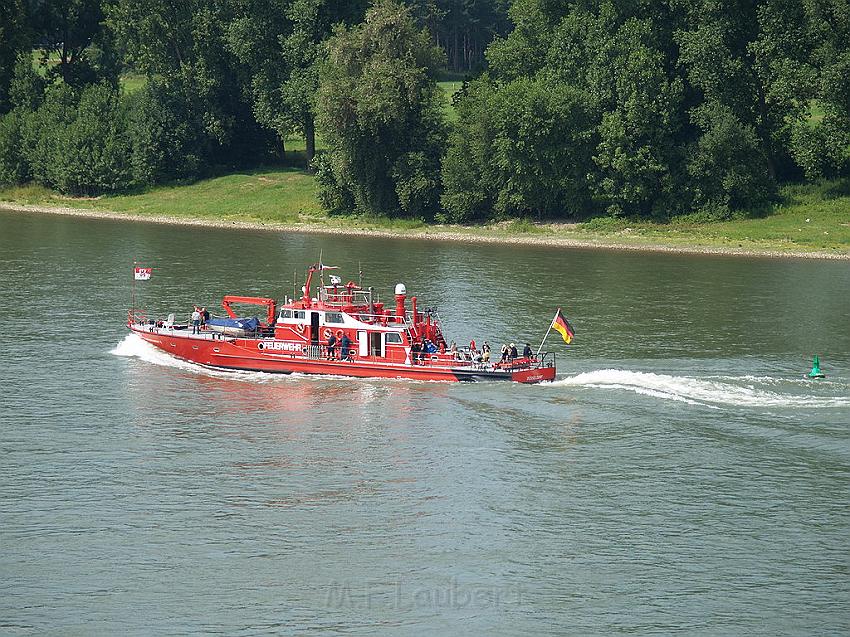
{"x":299,"y":314}
{"x":333,"y":317}
{"x":393,"y":338}
{"x":285,"y":314}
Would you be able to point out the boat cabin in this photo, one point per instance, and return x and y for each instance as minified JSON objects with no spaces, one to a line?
{"x":373,"y":331}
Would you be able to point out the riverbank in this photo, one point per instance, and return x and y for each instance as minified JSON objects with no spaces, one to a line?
{"x":814,"y":221}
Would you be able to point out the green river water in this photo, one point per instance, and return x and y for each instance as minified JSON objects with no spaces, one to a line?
{"x":679,"y":477}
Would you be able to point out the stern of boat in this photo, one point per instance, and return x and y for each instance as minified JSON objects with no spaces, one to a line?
{"x":534,"y":375}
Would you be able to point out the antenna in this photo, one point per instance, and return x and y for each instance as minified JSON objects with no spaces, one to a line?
{"x":360,"y":273}
{"x":321,"y":269}
{"x":295,"y":285}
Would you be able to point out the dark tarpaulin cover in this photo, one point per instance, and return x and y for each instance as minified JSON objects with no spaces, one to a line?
{"x":247,"y":324}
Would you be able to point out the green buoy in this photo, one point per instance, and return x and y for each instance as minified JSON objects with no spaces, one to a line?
{"x":816,"y":372}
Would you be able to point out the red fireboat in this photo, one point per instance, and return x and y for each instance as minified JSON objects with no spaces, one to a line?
{"x":334,"y":329}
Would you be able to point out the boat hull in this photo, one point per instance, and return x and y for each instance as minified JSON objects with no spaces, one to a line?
{"x":213,"y":350}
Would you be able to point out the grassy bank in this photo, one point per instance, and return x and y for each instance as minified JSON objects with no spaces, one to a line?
{"x":274,"y":196}
{"x":812,"y":218}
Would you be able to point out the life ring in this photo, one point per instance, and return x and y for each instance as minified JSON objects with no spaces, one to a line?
{"x":300,"y":328}
{"x":327,"y":333}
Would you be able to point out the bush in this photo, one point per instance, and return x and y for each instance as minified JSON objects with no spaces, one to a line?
{"x":726,"y":166}
{"x":26,"y":90}
{"x":96,"y":145}
{"x":520,"y":149}
{"x":14,"y":168}
{"x":77,"y":143}
{"x":335,"y":198}
{"x":165,"y":144}
{"x":41,"y":145}
{"x":821,"y":150}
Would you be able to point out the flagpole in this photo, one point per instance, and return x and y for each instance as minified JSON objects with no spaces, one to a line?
{"x":545,"y":336}
{"x":133,"y":315}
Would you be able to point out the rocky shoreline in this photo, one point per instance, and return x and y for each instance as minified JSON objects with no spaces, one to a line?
{"x":439,"y":233}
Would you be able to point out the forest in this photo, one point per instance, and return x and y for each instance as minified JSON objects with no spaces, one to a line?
{"x":568,"y":109}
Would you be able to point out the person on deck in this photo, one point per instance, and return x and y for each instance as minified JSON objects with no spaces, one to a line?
{"x":513,"y":351}
{"x":205,"y":317}
{"x":416,"y":350}
{"x":331,"y":347}
{"x":526,"y":351}
{"x":504,"y":352}
{"x":345,"y":348}
{"x":196,"y":321}
{"x":472,"y":347}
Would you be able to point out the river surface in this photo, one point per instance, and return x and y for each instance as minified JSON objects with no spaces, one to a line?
{"x":680,"y":476}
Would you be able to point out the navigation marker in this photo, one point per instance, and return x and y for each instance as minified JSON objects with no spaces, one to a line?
{"x":816,"y":372}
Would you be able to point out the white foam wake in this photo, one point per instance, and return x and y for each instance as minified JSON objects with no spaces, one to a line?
{"x":711,"y":391}
{"x":133,"y":346}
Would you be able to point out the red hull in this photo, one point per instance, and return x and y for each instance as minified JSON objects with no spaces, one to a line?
{"x":243,"y":354}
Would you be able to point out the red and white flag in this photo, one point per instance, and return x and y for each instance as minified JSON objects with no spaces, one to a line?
{"x":142,"y":274}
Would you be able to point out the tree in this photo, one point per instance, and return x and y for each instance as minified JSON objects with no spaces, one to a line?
{"x":67,"y":29}
{"x":727,"y":165}
{"x":76,"y":142}
{"x":165,"y":141}
{"x":379,"y":110}
{"x":26,"y":90}
{"x":519,"y":149}
{"x":280,"y":42}
{"x":184,"y":46}
{"x":14,"y":168}
{"x":14,"y":38}
{"x":822,"y":148}
{"x":463,"y":28}
{"x":687,"y":104}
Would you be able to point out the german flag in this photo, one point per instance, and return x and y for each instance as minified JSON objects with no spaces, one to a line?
{"x":562,"y":326}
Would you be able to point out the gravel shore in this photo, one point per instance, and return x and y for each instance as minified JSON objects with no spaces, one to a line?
{"x":438,"y":233}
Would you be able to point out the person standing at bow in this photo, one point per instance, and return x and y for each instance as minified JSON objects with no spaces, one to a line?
{"x":196,"y":321}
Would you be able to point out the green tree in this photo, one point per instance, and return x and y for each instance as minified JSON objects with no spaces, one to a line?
{"x":280,"y":42}
{"x":727,"y":165}
{"x":463,"y":28}
{"x":520,"y":149}
{"x":71,"y":32}
{"x":165,"y":142}
{"x":76,"y":142}
{"x":687,"y":104}
{"x":822,"y":148}
{"x":26,"y":90}
{"x":380,"y":111}
{"x":15,"y":37}
{"x":184,"y":46}
{"x":14,"y":168}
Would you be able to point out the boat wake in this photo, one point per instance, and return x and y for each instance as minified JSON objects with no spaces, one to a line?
{"x":713,"y":391}
{"x":132,"y":346}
